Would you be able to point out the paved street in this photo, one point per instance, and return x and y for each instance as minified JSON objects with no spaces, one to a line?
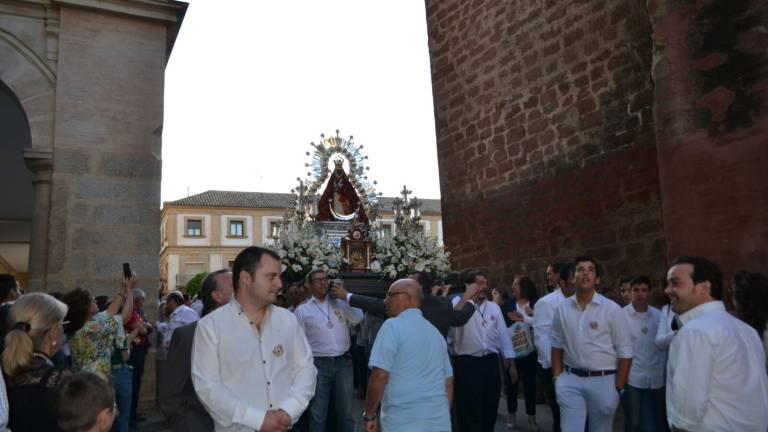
{"x":156,"y":423}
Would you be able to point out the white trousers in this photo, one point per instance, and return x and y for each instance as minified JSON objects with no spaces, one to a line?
{"x":580,"y":398}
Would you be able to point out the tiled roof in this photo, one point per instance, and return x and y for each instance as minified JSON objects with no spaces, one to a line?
{"x":213,"y":198}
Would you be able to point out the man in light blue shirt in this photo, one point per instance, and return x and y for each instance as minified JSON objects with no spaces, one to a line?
{"x":410,"y":368}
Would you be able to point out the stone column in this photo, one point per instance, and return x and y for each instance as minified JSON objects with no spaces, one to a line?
{"x":40,"y":162}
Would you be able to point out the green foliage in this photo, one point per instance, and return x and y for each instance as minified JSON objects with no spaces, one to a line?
{"x":193,"y":286}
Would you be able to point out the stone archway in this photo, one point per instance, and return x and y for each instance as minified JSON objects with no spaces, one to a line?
{"x":27,"y":101}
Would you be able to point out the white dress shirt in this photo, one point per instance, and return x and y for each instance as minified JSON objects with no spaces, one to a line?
{"x":181,"y":316}
{"x":647,"y":371}
{"x":593,"y":338}
{"x":665,"y":334}
{"x":240,"y":372}
{"x":327,"y":340}
{"x":476,"y":339}
{"x":716,"y":377}
{"x":543,"y":311}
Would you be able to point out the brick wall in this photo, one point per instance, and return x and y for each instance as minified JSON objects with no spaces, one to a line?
{"x":545,"y":135}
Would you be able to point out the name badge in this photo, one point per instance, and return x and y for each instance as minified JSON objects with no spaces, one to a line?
{"x":278,"y":351}
{"x":593,"y":325}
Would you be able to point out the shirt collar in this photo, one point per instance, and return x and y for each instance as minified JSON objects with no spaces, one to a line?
{"x":411,"y":311}
{"x":702,"y":309}
{"x":237,"y":310}
{"x":634,"y":311}
{"x":597,"y":299}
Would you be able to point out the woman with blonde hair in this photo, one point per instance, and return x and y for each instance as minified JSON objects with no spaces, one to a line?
{"x":35,"y":333}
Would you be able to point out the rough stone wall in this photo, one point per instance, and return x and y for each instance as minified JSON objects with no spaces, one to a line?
{"x":545,"y":134}
{"x":106,"y":184}
{"x":711,"y":116}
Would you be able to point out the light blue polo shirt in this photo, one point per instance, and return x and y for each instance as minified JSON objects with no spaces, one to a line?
{"x":416,"y":356}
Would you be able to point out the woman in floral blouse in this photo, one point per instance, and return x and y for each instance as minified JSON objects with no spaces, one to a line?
{"x":94,"y":334}
{"x":34,"y":337}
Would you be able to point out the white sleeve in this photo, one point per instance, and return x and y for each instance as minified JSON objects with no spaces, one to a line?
{"x":351,"y":314}
{"x":542,"y":326}
{"x":688,"y":393}
{"x":665,"y":334}
{"x":224,"y":406}
{"x":506,"y":347}
{"x":557,"y":336}
{"x":304,"y":377}
{"x":622,"y":338}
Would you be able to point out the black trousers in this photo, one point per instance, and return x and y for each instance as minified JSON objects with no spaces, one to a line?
{"x":477,"y":385}
{"x":136,"y":360}
{"x":526,"y":372}
{"x":545,"y":380}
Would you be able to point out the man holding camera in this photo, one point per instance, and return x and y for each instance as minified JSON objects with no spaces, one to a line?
{"x":325,"y":321}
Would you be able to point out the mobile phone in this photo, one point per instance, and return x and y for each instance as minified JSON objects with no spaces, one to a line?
{"x":127,"y":271}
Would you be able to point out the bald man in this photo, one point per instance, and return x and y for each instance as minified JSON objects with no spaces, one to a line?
{"x":411,"y":371}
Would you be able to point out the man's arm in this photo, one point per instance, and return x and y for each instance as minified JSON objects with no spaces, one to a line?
{"x":304,"y":377}
{"x":371,"y":305}
{"x":449,"y":391}
{"x":558,"y":343}
{"x":622,"y":341}
{"x":459,"y":317}
{"x":689,"y":375}
{"x":542,"y":326}
{"x":470,"y":292}
{"x":377,"y":382}
{"x":225,"y":407}
{"x":352,"y":314}
{"x":557,"y":361}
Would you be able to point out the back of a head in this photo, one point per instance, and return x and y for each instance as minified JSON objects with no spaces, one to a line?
{"x":29,"y":319}
{"x":79,"y":303}
{"x":425,"y":280}
{"x":704,"y":270}
{"x":206,"y":291}
{"x":176,"y":297}
{"x":79,"y":401}
{"x":7,"y":284}
{"x":566,"y":270}
{"x":248,"y":260}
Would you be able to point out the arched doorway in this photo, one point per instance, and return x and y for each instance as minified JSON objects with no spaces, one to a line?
{"x":16,"y":203}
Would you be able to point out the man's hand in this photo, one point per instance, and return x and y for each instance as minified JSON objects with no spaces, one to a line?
{"x":276,"y":421}
{"x":338,"y":291}
{"x":515,"y":316}
{"x":529,"y":311}
{"x":472,"y":290}
{"x":371,"y":426}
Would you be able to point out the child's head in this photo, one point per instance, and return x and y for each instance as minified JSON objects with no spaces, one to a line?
{"x":85,"y":402}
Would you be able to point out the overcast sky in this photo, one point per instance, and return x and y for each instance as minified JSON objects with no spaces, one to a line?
{"x":251,"y":83}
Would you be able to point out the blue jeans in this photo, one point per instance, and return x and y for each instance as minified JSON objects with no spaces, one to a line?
{"x":334,"y":375}
{"x":122,"y":380}
{"x":644,"y":409}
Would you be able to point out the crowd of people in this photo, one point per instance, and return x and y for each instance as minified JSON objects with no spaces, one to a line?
{"x":256,"y":352}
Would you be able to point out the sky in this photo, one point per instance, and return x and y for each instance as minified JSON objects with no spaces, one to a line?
{"x":250,"y":83}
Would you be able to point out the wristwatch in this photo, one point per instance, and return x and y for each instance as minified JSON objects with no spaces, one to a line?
{"x":620,"y":391}
{"x":370,"y":417}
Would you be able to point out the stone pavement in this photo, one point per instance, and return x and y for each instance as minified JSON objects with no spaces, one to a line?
{"x":156,"y":423}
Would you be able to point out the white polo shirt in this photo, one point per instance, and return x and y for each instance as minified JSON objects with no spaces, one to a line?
{"x":477,"y":339}
{"x":543,"y":312}
{"x":647,"y":370}
{"x":716,"y":378}
{"x":593,"y":338}
{"x":325,"y":324}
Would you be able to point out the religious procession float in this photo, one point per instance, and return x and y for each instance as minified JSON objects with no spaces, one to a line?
{"x":333,"y":224}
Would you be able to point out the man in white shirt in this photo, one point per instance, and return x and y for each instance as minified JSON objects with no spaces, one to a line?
{"x":644,"y":395}
{"x":251,"y":364}
{"x":716,"y":377}
{"x":591,"y":353}
{"x":477,"y":346}
{"x":543,"y":312}
{"x":179,"y":315}
{"x":326,"y":322}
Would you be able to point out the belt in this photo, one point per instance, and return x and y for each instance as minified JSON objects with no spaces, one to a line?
{"x":588,"y":373}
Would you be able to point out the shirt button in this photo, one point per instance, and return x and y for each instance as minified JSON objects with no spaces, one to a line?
{"x":270,"y":405}
{"x":267,"y":382}
{"x":263,"y":362}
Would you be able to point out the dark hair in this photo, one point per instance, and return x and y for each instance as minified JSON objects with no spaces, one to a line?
{"x":641,"y":280}
{"x":528,"y":289}
{"x":248,"y":260}
{"x":704,"y":270}
{"x":471,"y":274}
{"x":312,"y":273}
{"x":185,"y":296}
{"x":176,"y":296}
{"x":750,"y":290}
{"x":206,"y":291}
{"x":79,"y":303}
{"x":80,"y":399}
{"x":7,"y":284}
{"x":425,"y":280}
{"x":102,"y":302}
{"x":586,"y":258}
{"x":565,"y":271}
{"x":625,"y":279}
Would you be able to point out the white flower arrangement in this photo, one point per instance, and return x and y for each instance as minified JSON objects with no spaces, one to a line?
{"x":301,"y":251}
{"x":407,"y":251}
